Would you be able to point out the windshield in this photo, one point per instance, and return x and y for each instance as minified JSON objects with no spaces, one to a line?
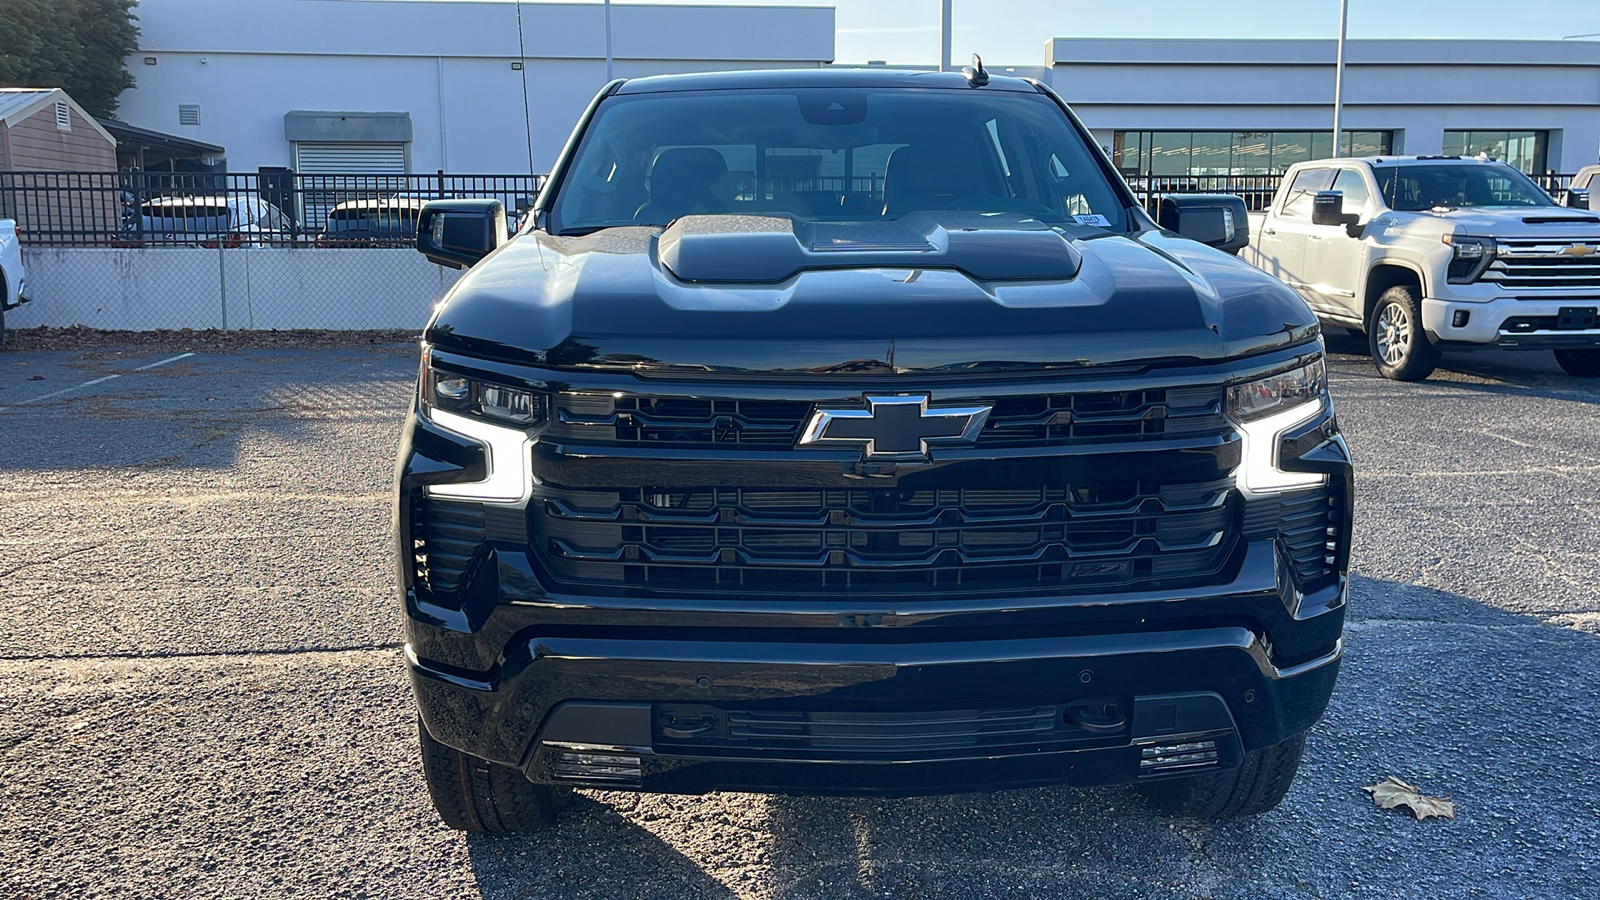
{"x":831,"y":154}
{"x":1414,"y":188}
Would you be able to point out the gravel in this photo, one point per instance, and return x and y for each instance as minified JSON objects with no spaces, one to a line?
{"x":201,"y":693}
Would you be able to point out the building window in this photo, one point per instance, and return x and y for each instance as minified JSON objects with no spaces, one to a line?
{"x":1185,"y":153}
{"x":1524,"y":150}
{"x":63,"y":117}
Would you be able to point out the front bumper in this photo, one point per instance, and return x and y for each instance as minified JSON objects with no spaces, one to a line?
{"x":1511,"y":323}
{"x":1246,"y":665}
{"x":603,"y":712}
{"x":22,"y":296}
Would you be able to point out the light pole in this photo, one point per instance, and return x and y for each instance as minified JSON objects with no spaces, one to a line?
{"x":944,"y":36}
{"x":608,"y":40}
{"x":1338,"y":77}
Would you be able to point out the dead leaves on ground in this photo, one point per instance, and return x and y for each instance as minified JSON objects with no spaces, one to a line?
{"x":1392,"y":792}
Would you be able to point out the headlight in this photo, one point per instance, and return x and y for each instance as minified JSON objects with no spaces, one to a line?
{"x":495,"y":416}
{"x":1470,"y":256}
{"x":1265,"y":409}
{"x":471,"y":397}
{"x":1258,"y":398}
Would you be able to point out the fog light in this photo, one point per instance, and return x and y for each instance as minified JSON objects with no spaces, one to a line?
{"x":588,"y":763}
{"x":1460,"y":318}
{"x":1161,"y":758}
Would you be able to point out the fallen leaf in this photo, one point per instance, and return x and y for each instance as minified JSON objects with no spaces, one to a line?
{"x":1392,"y":792}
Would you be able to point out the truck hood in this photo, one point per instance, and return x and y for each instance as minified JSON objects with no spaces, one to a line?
{"x":964,"y":294}
{"x":1534,"y":222}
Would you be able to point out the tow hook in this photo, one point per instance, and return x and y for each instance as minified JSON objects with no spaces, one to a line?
{"x":682,"y":727}
{"x":1100,"y":715}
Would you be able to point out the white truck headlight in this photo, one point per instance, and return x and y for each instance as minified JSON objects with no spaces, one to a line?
{"x":1264,"y":409}
{"x":1470,"y":256}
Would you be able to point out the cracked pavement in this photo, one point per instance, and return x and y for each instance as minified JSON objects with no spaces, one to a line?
{"x":201,"y":693}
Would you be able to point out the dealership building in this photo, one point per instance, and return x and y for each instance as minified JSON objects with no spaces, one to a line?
{"x":494,"y":87}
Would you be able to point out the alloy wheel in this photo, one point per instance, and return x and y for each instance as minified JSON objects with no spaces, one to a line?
{"x":1394,"y":333}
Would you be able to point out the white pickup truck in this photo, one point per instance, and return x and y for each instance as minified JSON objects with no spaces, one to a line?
{"x":1429,"y":252}
{"x":12,"y":285}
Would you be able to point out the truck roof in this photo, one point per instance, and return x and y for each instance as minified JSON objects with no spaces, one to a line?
{"x":1391,"y":159}
{"x":818,"y":78}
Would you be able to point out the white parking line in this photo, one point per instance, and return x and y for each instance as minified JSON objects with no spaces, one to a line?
{"x":101,"y":380}
{"x":163,"y":362}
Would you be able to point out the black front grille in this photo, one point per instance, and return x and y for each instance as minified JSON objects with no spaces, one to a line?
{"x":848,"y":541}
{"x":1027,"y":420}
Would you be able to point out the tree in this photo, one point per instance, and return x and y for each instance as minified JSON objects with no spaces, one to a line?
{"x":78,"y":45}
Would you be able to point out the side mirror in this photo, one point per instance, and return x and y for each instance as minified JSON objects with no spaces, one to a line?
{"x":1578,"y":198}
{"x":1327,"y":208}
{"x":458,"y":233}
{"x":1217,"y":220}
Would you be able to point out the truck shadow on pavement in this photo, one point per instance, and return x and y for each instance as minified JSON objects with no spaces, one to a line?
{"x":201,"y":412}
{"x":1489,"y":707}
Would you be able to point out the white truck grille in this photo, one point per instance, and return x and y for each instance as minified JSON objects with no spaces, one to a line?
{"x":1546,"y":263}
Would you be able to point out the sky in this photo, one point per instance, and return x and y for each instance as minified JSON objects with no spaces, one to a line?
{"x":1013,"y":32}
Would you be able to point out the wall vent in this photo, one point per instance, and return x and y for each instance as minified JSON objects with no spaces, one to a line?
{"x":188,"y":114}
{"x":63,"y":117}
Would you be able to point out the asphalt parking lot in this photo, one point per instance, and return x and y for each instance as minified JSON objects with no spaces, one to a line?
{"x":201,"y":693}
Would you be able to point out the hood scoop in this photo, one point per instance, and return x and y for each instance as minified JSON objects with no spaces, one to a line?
{"x":768,"y":250}
{"x":1560,"y":220}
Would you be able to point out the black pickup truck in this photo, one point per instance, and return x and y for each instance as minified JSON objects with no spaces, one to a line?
{"x":850,"y":431}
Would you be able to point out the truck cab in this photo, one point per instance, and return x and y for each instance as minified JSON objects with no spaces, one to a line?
{"x":1425,"y":253}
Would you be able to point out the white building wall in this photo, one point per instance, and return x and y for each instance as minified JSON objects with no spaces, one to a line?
{"x":1418,"y":89}
{"x":447,"y":64}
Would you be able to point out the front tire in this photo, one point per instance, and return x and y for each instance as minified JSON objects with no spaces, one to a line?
{"x":474,"y":795}
{"x":1258,"y":785}
{"x":1582,"y":363}
{"x":1399,"y":347}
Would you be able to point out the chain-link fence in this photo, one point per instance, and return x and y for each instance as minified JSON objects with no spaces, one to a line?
{"x":267,"y":250}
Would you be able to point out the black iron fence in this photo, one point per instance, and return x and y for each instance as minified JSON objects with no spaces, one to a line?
{"x":131,"y":209}
{"x":134,"y":209}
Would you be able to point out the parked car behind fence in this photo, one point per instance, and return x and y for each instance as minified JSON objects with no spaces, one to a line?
{"x":207,"y":221}
{"x":390,"y":222}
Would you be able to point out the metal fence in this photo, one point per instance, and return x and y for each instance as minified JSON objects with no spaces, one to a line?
{"x":283,"y":251}
{"x":283,"y":209}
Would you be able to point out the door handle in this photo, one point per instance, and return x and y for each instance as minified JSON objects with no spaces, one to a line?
{"x":1270,"y":231}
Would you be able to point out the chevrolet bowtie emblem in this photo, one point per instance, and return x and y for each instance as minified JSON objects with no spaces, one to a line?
{"x":1578,"y":250}
{"x":895,"y":427}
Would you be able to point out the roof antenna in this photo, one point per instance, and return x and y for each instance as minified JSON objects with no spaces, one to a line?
{"x":977,"y":75}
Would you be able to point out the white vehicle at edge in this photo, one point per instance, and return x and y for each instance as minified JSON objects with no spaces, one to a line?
{"x":1428,"y":252}
{"x":13,"y":285}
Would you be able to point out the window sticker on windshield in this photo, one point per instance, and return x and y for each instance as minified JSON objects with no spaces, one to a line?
{"x":1093,"y":220}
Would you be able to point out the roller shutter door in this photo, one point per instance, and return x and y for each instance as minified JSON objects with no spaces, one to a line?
{"x":346,"y":170}
{"x":345,"y":157}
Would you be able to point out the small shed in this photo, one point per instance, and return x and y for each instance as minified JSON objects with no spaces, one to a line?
{"x":44,"y":130}
{"x":58,"y":167}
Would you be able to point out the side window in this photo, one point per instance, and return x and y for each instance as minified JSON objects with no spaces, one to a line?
{"x":1350,"y":183}
{"x":1307,"y":182}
